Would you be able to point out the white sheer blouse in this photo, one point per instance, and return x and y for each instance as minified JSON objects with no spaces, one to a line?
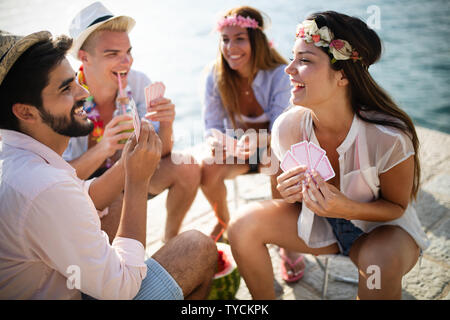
{"x":368,"y":151}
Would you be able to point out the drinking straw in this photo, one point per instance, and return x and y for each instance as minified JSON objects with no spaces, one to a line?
{"x":121,"y":92}
{"x":120,"y":85}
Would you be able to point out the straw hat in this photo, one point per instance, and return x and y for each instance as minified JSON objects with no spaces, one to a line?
{"x":88,"y":20}
{"x":12,"y":47}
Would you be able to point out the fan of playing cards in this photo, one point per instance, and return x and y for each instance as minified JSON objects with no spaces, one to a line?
{"x":154,"y":91}
{"x":311,"y":155}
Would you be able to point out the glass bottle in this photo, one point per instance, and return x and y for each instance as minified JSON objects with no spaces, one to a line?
{"x":124,"y":105}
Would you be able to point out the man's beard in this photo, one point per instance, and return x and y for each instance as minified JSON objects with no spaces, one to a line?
{"x":67,"y":127}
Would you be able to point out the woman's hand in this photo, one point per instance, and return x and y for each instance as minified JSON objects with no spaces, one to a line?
{"x":247,"y":146}
{"x":290,"y":184}
{"x":329,"y":201}
{"x":218,"y":148}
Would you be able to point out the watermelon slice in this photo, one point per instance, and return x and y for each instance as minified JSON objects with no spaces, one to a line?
{"x":227,"y":278}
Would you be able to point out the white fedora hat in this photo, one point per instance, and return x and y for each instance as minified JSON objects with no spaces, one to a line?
{"x":88,"y":20}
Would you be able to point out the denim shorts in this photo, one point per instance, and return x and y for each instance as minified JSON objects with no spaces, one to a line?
{"x":157,"y":285}
{"x":255,"y":160}
{"x":345,"y":232}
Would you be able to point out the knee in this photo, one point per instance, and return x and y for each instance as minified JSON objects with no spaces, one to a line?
{"x":188,"y":175}
{"x":243,"y":229}
{"x":210,"y":174}
{"x":384,"y":261}
{"x":204,"y":246}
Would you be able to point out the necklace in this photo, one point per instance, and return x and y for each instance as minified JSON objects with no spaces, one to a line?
{"x":89,"y":108}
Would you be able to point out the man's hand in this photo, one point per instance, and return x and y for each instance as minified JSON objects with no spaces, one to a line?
{"x":290,"y":184}
{"x":162,"y":110}
{"x":141,"y":159}
{"x":113,"y":134}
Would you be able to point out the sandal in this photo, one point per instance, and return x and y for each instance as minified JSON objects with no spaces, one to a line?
{"x":289,"y":275}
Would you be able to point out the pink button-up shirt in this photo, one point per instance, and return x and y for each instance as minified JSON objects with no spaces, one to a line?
{"x":51,"y":244}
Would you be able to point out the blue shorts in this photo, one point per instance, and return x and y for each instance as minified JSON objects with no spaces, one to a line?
{"x":158,"y":284}
{"x":346,"y":233}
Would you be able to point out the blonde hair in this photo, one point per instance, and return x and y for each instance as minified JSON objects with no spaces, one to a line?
{"x":264,"y":57}
{"x":120,"y":24}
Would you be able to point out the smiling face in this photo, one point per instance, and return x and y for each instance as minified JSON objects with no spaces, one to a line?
{"x":236,"y":49}
{"x":110,"y":56}
{"x":62,"y":103}
{"x":314,"y":81}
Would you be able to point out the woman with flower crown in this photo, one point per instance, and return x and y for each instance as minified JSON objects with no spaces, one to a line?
{"x":246,"y":90}
{"x":365,"y":211}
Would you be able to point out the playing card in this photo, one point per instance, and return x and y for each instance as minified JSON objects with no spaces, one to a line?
{"x":315,"y":154}
{"x":136,"y":120}
{"x":288,"y":162}
{"x":154,"y":91}
{"x":225,"y":140}
{"x":301,"y":153}
{"x":325,"y":169}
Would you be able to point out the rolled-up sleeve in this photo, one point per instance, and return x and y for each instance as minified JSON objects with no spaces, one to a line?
{"x":213,"y":112}
{"x":63,"y":229}
{"x":280,"y":94}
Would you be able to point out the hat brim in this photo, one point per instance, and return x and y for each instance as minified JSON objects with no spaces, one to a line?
{"x":18,"y":49}
{"x":78,"y":42}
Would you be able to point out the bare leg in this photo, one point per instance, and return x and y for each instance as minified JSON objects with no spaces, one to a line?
{"x":262,"y":223}
{"x":182,"y":180}
{"x":284,"y":253}
{"x":191,"y":259}
{"x":215,"y":190}
{"x":393,"y":251}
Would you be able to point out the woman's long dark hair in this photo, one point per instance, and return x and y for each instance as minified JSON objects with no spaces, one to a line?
{"x":365,"y":93}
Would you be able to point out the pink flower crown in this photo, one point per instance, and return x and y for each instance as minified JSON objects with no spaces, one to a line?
{"x":323,"y":37}
{"x":239,"y":21}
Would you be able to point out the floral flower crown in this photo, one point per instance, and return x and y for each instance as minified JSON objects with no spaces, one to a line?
{"x":323,"y":37}
{"x":239,"y":21}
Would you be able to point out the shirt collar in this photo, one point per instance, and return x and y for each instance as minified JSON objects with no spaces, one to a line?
{"x":259,"y":79}
{"x":351,"y":135}
{"x":22,"y":141}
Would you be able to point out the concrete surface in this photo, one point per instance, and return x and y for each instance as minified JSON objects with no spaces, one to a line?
{"x":428,"y":280}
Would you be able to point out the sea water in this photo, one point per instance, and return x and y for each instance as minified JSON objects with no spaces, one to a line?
{"x":173,"y":41}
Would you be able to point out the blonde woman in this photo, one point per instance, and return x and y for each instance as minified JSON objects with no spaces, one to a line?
{"x":365,"y":211}
{"x":246,"y":88}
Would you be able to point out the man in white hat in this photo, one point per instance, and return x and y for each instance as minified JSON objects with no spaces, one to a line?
{"x":51,"y":244}
{"x":102,"y":44}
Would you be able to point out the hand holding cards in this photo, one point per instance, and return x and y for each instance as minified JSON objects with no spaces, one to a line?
{"x":308,"y":154}
{"x":225,"y":140}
